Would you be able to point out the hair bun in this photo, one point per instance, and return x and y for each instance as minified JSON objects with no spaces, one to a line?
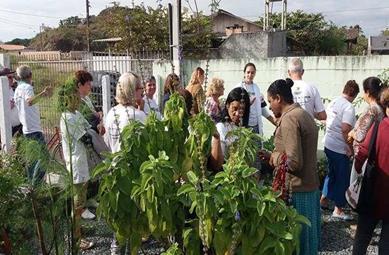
{"x":289,"y":82}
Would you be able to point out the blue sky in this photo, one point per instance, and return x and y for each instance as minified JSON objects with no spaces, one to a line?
{"x":23,"y":18}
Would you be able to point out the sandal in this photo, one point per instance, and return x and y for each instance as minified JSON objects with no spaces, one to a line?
{"x":85,"y":244}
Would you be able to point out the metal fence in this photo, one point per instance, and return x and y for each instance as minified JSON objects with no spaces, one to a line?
{"x":56,"y":72}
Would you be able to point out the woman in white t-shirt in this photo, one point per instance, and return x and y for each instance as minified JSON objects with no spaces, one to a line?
{"x":130,"y":107}
{"x":74,"y":138}
{"x":129,"y":97}
{"x":257,"y":101}
{"x":150,"y":103}
{"x":340,"y":120}
{"x":236,"y":112}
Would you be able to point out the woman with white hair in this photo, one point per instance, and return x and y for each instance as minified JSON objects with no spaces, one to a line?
{"x":129,"y":91}
{"x":212,"y":104}
{"x":129,"y":96}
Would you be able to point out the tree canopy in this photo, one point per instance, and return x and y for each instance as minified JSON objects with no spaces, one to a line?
{"x":143,"y":27}
{"x":311,"y":34}
{"x":140,"y":27}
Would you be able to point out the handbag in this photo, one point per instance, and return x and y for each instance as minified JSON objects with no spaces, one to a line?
{"x":358,"y":194}
{"x":97,"y":150}
{"x":352,"y":193}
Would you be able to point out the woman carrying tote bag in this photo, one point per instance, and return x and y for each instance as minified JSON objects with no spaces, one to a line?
{"x":370,"y":214}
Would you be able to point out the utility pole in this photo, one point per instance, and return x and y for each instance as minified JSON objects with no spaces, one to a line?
{"x":41,"y":29}
{"x":266,"y":22}
{"x":87,"y":26}
{"x":176,"y":37}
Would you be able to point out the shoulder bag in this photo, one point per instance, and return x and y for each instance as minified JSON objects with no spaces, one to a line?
{"x":358,"y":194}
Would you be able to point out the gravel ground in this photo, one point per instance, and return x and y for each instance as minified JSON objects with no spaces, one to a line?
{"x":337,"y":238}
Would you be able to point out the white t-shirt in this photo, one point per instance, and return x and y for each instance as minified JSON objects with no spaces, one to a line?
{"x":28,"y":115}
{"x":258,"y":107}
{"x":73,"y":126}
{"x":117,"y":118}
{"x":307,"y":96}
{"x":150,"y":104}
{"x":14,"y":110}
{"x":339,"y":111}
{"x":223,"y":128}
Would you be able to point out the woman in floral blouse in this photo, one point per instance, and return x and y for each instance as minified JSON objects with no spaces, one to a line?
{"x":372,"y":87}
{"x":212,"y":104}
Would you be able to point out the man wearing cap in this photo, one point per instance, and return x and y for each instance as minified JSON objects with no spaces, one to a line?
{"x":25,"y":101}
{"x":15,"y":123}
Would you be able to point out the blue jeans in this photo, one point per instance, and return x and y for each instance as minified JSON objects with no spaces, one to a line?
{"x":338,"y":177}
{"x":37,"y":136}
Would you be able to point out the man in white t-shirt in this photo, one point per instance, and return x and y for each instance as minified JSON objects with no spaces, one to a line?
{"x":304,"y":93}
{"x":25,"y":101}
{"x":341,"y":119}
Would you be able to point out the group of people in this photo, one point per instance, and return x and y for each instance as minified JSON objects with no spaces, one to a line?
{"x":295,"y":105}
{"x":348,"y":138}
{"x":78,"y":115}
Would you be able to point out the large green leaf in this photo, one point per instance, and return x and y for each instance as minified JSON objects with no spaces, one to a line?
{"x":186,"y":188}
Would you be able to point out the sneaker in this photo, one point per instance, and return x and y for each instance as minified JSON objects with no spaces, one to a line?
{"x":85,"y":244}
{"x":115,"y":248}
{"x":88,"y":215}
{"x":342,"y":216}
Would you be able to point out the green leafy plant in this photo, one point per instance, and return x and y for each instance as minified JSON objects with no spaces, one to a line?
{"x":384,"y":76}
{"x":159,"y":185}
{"x":239,"y":216}
{"x":322,"y":170}
{"x":30,"y":206}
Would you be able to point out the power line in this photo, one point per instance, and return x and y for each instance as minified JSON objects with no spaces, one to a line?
{"x":29,"y":14}
{"x":16,"y":22}
{"x":11,"y":23}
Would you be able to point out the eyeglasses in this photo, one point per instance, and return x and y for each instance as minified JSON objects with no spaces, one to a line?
{"x":139,"y":88}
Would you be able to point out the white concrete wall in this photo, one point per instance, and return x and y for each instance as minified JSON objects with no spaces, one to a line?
{"x":329,"y":74}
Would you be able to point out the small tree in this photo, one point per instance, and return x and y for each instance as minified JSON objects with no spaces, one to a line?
{"x":310,"y":33}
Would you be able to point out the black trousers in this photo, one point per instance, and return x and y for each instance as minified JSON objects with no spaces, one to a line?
{"x":365,"y":230}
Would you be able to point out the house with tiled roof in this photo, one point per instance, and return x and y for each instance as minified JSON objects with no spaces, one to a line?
{"x":378,"y":45}
{"x":226,"y":24}
{"x":12,"y":48}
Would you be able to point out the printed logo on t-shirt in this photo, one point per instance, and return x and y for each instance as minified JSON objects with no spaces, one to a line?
{"x":302,"y":100}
